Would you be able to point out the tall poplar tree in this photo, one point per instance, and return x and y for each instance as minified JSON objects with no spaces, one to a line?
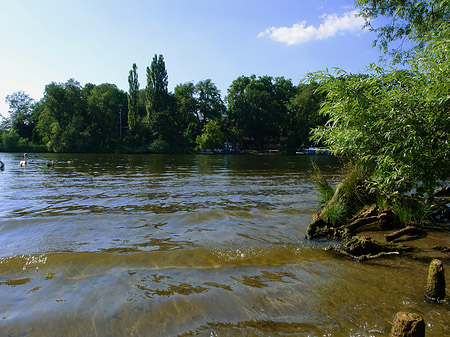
{"x":133,"y":113}
{"x":161,"y":113}
{"x":157,"y":86}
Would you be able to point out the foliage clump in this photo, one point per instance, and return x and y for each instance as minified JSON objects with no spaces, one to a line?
{"x":340,"y":204}
{"x":393,"y":124}
{"x":396,"y":121}
{"x":409,"y":21}
{"x":324,"y":189}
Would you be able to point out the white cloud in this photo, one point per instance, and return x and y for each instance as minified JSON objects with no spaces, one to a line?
{"x":301,"y":33}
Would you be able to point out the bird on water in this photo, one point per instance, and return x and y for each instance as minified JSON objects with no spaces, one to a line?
{"x":2,"y":166}
{"x":24,"y":161}
{"x":52,"y":163}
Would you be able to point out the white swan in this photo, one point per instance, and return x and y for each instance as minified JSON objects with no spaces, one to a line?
{"x":24,"y":161}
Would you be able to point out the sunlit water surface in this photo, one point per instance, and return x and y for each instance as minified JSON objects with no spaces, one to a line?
{"x":154,"y":245}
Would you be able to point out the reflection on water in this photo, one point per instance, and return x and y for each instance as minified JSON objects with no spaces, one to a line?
{"x":185,"y":246}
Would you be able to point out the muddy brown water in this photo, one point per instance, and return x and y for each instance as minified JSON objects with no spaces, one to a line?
{"x":155,"y":245}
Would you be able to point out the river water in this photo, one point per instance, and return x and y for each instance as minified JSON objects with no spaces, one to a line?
{"x":156,"y":245}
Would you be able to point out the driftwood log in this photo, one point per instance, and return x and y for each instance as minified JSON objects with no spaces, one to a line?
{"x":442,"y":192}
{"x":442,"y":249}
{"x":410,"y":230}
{"x":365,"y":257}
{"x":362,"y":248}
{"x":382,"y":218}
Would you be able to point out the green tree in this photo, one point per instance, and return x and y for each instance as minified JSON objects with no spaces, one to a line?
{"x":20,"y":110}
{"x":71,"y":118}
{"x":212,"y":137}
{"x":209,"y":102}
{"x":197,"y":105}
{"x":257,"y":107}
{"x":164,"y":120}
{"x":10,"y":141}
{"x":166,"y":126}
{"x":157,"y":86}
{"x":62,"y":117}
{"x":304,"y":113}
{"x":187,"y":107}
{"x":133,"y":100}
{"x":105,"y":105}
{"x":396,"y":121}
{"x":403,"y":22}
{"x":142,"y":104}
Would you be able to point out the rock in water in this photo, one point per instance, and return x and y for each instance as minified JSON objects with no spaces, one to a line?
{"x":436,"y":281}
{"x":408,"y":325}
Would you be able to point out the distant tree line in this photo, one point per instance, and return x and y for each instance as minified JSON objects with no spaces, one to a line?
{"x":258,"y":112}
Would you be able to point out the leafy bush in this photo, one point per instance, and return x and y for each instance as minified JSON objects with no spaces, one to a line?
{"x":396,"y":120}
{"x":10,"y":141}
{"x":159,"y":146}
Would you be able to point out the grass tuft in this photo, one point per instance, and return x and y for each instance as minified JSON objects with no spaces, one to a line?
{"x":336,"y":211}
{"x":324,"y":190}
{"x":411,"y":211}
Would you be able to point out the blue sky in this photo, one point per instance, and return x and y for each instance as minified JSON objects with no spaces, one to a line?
{"x":97,"y":41}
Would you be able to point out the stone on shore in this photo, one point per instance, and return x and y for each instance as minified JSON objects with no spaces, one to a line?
{"x":436,"y":281}
{"x":408,"y":325}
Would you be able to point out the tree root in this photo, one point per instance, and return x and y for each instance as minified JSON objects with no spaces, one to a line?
{"x":364,"y":257}
{"x":362,"y":248}
{"x":410,"y":230}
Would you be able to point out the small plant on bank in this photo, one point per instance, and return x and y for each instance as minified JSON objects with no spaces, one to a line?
{"x":324,"y":190}
{"x":355,"y":185}
{"x":412,"y":211}
{"x":349,"y":196}
{"x":336,"y":211}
